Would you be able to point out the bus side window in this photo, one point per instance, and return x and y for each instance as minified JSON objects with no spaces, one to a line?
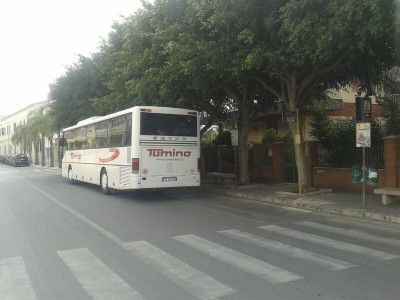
{"x":102,"y":134}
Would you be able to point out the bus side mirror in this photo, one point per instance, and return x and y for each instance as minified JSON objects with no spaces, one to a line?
{"x":61,"y":142}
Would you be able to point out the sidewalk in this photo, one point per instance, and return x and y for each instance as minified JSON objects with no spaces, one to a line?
{"x":326,"y":201}
{"x":55,"y":168}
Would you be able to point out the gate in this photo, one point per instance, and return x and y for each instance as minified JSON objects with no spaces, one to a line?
{"x":210,"y":155}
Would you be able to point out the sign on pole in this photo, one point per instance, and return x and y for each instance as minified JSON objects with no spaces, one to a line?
{"x":288,"y":116}
{"x":363,"y":135}
{"x":363,"y":139}
{"x":235,"y":137}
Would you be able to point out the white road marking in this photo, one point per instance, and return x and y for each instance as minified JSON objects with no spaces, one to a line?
{"x":192,"y":280}
{"x":99,"y":281}
{"x":323,"y":261}
{"x":370,"y":226}
{"x":353,"y":233}
{"x":14,"y":280}
{"x":330,"y":242}
{"x":80,"y":216}
{"x":268,"y":272}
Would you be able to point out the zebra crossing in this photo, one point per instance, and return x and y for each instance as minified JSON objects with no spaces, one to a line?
{"x":101,"y":281}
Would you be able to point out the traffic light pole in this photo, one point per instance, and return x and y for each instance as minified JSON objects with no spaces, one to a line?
{"x":364,"y":179}
{"x":363,"y":116}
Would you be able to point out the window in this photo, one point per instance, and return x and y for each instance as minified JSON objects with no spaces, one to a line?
{"x":121,"y":131}
{"x":80,"y":138}
{"x":168,"y":124}
{"x":101,"y":139}
{"x":110,"y":133}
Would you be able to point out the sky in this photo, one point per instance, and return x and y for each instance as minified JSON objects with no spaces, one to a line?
{"x":41,"y":38}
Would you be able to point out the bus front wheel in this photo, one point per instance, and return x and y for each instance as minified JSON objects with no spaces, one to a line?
{"x":71,"y":176}
{"x":104,"y":182}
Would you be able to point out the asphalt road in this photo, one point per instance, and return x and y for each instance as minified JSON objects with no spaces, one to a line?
{"x":62,"y":241}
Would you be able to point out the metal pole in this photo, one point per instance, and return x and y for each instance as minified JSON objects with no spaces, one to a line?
{"x":364,"y":177}
{"x":298,"y":144}
{"x":236,"y":165}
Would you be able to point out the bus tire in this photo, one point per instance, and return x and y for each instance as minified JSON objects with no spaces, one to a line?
{"x":104,"y":182}
{"x":71,"y":175}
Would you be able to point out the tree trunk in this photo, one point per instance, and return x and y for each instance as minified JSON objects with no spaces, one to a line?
{"x":60,"y":157}
{"x":296,"y":129}
{"x":30,"y":149}
{"x":51,"y":152}
{"x":243,"y":151}
{"x":43,"y":150}
{"x":36,"y":146}
{"x":242,"y":99}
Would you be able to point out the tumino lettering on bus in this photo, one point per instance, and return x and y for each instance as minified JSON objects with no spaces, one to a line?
{"x":75,"y":155}
{"x":168,"y":153}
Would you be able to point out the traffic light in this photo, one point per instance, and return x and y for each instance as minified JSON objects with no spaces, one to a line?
{"x":367,"y":113}
{"x":363,"y":109}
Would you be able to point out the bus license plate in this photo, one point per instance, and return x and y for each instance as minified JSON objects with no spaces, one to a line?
{"x":169,"y":179}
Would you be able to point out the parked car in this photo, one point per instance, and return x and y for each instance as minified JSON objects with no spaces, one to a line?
{"x":7,"y":159}
{"x":2,"y":159}
{"x":20,"y":160}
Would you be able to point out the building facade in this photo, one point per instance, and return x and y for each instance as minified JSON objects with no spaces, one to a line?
{"x":9,"y":125}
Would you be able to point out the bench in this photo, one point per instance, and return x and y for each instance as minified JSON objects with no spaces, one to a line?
{"x":388,"y":194}
{"x":225,"y":178}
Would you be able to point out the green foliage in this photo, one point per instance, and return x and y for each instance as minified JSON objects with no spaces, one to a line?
{"x":391,"y":102}
{"x":391,"y":116}
{"x":224,"y":56}
{"x":72,"y":93}
{"x":208,"y":137}
{"x":223,"y":138}
{"x":271,"y":136}
{"x":338,"y":136}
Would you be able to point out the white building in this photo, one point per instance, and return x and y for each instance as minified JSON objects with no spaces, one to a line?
{"x":8,"y":126}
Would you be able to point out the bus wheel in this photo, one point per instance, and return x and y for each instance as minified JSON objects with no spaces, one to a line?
{"x":71,"y":176}
{"x":104,"y":182}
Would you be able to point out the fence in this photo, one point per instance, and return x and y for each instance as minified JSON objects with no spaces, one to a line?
{"x":374,"y":157}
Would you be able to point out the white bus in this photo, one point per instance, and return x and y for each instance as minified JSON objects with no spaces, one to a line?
{"x":137,"y":148}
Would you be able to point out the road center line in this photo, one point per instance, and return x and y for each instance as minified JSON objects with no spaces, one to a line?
{"x":92,"y":224}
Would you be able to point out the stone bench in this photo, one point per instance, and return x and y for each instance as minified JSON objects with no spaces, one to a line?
{"x":388,"y":194}
{"x":225,"y":178}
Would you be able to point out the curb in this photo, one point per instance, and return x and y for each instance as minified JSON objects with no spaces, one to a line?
{"x":46,"y":168}
{"x":349,"y":212}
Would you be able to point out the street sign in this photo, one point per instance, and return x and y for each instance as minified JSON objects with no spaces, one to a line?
{"x":235,"y":137}
{"x":363,"y":135}
{"x":288,"y":116}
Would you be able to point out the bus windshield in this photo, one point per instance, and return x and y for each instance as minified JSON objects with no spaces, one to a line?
{"x":168,"y":124}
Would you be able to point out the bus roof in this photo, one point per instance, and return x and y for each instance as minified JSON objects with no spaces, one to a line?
{"x":158,"y":109}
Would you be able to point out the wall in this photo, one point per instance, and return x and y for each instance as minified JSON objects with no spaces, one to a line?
{"x":258,"y":171}
{"x":341,"y":179}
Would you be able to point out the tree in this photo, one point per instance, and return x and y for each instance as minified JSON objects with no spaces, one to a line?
{"x":311,"y":44}
{"x":40,"y":126}
{"x":20,"y":136}
{"x":72,"y":94}
{"x":209,"y":59}
{"x":138,"y":68}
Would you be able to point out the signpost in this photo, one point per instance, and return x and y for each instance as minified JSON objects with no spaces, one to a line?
{"x":235,"y":144}
{"x":363,"y":130}
{"x":363,"y":139}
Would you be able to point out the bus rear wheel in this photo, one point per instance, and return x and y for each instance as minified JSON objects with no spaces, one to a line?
{"x":104,"y":183}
